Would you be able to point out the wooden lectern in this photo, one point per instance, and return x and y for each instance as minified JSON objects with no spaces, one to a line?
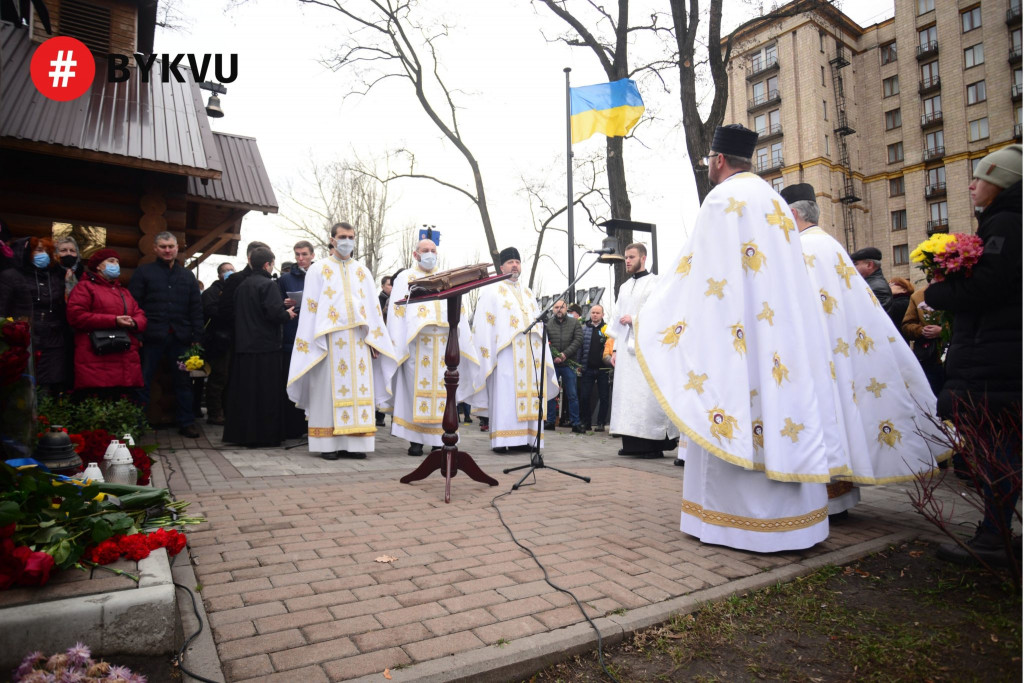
{"x":448,"y":458}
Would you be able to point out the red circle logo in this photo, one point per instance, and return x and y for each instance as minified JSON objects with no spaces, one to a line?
{"x":63,"y":68}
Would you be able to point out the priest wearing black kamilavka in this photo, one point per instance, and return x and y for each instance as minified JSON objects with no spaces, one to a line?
{"x":253,"y":406}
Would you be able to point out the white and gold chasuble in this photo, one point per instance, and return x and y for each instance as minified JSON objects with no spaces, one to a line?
{"x":510,"y":364}
{"x":732,"y":346}
{"x":419,"y":333}
{"x":635,"y":409}
{"x":886,"y":407}
{"x":333,"y":375}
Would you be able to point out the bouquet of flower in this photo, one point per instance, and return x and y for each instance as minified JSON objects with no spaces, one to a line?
{"x":943,"y":255}
{"x":76,"y":664}
{"x":192,"y":361}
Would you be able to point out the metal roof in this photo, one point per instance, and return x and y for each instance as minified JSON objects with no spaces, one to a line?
{"x":155,"y":125}
{"x":244,"y":184}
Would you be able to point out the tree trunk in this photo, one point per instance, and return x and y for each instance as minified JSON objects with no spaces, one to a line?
{"x":619,"y":199}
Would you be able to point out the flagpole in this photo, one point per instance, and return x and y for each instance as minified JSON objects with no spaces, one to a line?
{"x":568,"y":175}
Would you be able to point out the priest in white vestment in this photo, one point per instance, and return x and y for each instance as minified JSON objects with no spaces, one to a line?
{"x":511,"y":362}
{"x":636,"y":415}
{"x":342,"y":360}
{"x":419,"y":333}
{"x":732,"y":346}
{"x":887,"y":414}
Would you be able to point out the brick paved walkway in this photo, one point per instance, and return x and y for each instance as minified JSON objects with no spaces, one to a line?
{"x":293,"y":589}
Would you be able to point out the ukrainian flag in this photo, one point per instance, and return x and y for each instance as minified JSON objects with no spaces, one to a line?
{"x":609,"y":108}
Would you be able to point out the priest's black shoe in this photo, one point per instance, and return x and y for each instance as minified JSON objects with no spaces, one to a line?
{"x":350,"y":455}
{"x":333,"y":455}
{"x":679,"y":463}
{"x":415,"y":449}
{"x":500,"y":450}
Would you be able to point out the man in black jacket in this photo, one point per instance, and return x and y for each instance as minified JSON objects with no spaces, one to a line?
{"x":216,"y":343}
{"x":169,"y":294}
{"x":591,"y":357}
{"x":983,"y":362}
{"x":868,"y":262}
{"x":565,"y":337}
{"x":293,"y":420}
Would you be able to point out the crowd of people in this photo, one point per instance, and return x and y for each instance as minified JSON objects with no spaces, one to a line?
{"x":789,"y":373}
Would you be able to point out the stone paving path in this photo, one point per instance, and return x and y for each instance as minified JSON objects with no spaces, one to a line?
{"x":294,"y":589}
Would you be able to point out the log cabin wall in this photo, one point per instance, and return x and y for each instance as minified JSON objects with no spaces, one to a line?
{"x":37,"y":191}
{"x":119,"y":17}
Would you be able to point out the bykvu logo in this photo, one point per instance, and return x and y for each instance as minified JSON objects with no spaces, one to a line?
{"x":63,"y":68}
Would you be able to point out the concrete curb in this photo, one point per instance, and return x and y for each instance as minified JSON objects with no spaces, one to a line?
{"x":140,"y":621}
{"x":523,"y":657}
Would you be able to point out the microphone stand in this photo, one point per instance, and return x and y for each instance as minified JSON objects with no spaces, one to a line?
{"x":536,"y":457}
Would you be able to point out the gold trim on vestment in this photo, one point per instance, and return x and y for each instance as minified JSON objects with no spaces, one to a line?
{"x":420,"y":429}
{"x":752,"y":523}
{"x":328,"y":432}
{"x":512,"y":432}
{"x":788,"y":477}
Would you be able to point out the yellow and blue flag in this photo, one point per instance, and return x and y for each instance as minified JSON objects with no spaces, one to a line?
{"x":609,"y":108}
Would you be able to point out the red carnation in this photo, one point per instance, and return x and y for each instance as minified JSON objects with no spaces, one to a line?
{"x":12,"y":563}
{"x":178,"y":542}
{"x":17,"y":333}
{"x":38,"y":566}
{"x":134,"y":547}
{"x":78,"y":442}
{"x":105,"y":553}
{"x":7,"y":531}
{"x":13,"y":362}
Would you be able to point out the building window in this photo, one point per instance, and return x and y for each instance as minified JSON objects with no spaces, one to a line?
{"x":766,"y":124}
{"x":927,"y":36}
{"x":1015,"y":41}
{"x":888,"y":52}
{"x":901,"y":255}
{"x":899,"y":220}
{"x":976,"y":92}
{"x":897,"y":187}
{"x":891,"y":86}
{"x":827,"y":152}
{"x":925,"y":6}
{"x":778,"y":184}
{"x":930,"y":74}
{"x":823,"y":75}
{"x":938,"y":213}
{"x":824,"y":109}
{"x":895,"y":152}
{"x":934,"y":145}
{"x":764,"y":58}
{"x":936,"y":177}
{"x":974,"y":165}
{"x":971,"y":18}
{"x":893,"y":119}
{"x":978,"y":129}
{"x":974,"y":55}
{"x":761,"y":157}
{"x":932,"y":108}
{"x":776,"y":154}
{"x":821,"y":41}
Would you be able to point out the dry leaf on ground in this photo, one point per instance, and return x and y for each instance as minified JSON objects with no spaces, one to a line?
{"x":386,"y":558}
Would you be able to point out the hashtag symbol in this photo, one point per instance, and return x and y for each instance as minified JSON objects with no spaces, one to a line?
{"x":62,"y":68}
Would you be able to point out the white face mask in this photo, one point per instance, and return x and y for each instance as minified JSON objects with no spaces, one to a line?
{"x":428,"y":260}
{"x":344,"y":246}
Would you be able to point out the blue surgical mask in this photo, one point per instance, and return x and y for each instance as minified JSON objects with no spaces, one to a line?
{"x":428,"y":260}
{"x":112,"y":271}
{"x":344,"y":246}
{"x":41,"y":260}
{"x":227,"y":274}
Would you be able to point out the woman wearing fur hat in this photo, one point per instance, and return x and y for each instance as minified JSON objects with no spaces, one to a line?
{"x":99,"y":302}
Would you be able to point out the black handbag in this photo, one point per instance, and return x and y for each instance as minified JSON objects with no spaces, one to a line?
{"x":105,"y":342}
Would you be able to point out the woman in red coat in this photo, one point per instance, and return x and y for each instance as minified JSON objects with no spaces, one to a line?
{"x":99,"y":302}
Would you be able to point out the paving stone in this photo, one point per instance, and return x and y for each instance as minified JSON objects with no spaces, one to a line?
{"x":443,"y":647}
{"x":266,"y":643}
{"x":462,"y":621}
{"x":391,"y":637}
{"x":371,"y":662}
{"x":289,"y":620}
{"x":296,"y":657}
{"x":340,"y":628}
{"x":509,"y":630}
{"x":309,"y":674}
{"x":248,"y":667}
{"x":408,"y":615}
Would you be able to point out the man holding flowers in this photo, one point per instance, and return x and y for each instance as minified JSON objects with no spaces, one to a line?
{"x":978,"y":281}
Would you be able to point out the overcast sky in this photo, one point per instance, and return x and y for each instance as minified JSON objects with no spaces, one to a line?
{"x":510,"y":87}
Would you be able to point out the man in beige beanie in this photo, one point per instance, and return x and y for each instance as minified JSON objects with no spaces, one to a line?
{"x":983,"y":362}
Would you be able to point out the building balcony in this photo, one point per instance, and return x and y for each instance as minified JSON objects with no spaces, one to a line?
{"x":768,"y":164}
{"x":931,"y":120}
{"x":1015,"y":91}
{"x":929,"y":86}
{"x":940,"y":225}
{"x":765,"y":100}
{"x":760,"y":66}
{"x":773,"y":131}
{"x":935,"y":190}
{"x":928,"y":50}
{"x":1015,"y":55}
{"x":1013,"y":16}
{"x":843,"y":126}
{"x":935,"y":153}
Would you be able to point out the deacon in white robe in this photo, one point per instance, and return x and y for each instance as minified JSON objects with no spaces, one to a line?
{"x":886,"y":408}
{"x":732,"y":347}
{"x":511,"y":363}
{"x":342,"y":360}
{"x":636,"y":415}
{"x":419,"y":333}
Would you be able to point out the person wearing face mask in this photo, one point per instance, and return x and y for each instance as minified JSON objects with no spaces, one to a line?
{"x":419,"y":333}
{"x":342,"y":359}
{"x":66,"y":249}
{"x":51,"y":338}
{"x":100,"y":302}
{"x":253,"y":415}
{"x":510,"y":361}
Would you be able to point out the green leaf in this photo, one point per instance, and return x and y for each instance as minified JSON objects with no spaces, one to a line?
{"x":101,"y":531}
{"x":121,"y":526}
{"x":10,"y":511}
{"x":62,"y":552}
{"x":50,"y":535}
{"x":47,"y":523}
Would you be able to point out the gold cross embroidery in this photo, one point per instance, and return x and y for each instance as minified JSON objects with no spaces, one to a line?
{"x":809,"y":260}
{"x":424,"y":383}
{"x":779,"y":218}
{"x":362,"y":389}
{"x":842,"y":347}
{"x":485,"y":352}
{"x":377,"y":333}
{"x":343,"y":367}
{"x":362,"y":366}
{"x":329,"y":293}
{"x":332,"y":315}
{"x":876,"y":387}
{"x":301,"y":345}
{"x":343,"y":391}
{"x":341,"y":343}
{"x":735,"y":207}
{"x":766,"y":314}
{"x":715,"y":288}
{"x":696,"y":382}
{"x":508,"y":305}
{"x":792,"y":430}
{"x":344,"y":417}
{"x":421,"y":312}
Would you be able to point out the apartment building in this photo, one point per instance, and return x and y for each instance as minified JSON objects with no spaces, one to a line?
{"x":888,"y":121}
